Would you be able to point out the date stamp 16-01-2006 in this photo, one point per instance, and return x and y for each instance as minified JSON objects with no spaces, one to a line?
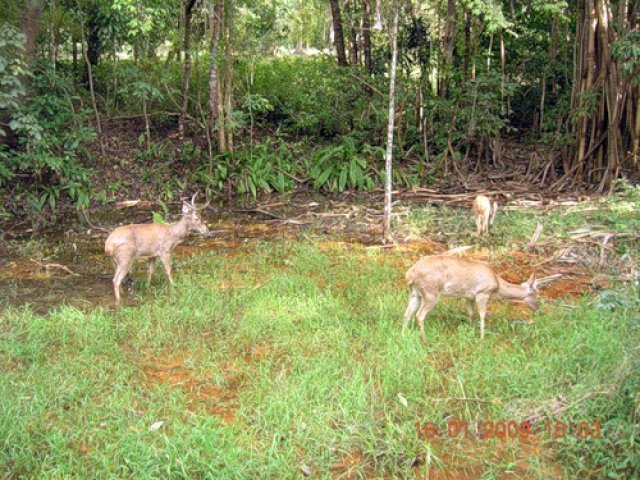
{"x":509,"y":430}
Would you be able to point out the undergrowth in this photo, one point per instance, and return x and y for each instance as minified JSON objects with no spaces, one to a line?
{"x":287,"y":357}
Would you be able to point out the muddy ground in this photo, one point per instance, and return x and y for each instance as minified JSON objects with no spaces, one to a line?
{"x":32,"y":261}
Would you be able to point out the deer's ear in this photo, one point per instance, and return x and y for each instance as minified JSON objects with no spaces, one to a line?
{"x":186,"y":208}
{"x":532,"y":281}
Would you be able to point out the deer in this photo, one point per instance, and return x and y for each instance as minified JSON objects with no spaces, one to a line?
{"x":473,"y":280}
{"x":485,"y":212}
{"x":151,"y":241}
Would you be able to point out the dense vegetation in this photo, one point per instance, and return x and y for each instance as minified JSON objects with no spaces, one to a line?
{"x":243,"y":97}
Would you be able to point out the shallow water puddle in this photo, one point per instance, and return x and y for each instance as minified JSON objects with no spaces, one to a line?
{"x":340,"y":228}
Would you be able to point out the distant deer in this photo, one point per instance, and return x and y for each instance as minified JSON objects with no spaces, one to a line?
{"x":485,"y":212}
{"x":151,"y":241}
{"x":473,"y":280}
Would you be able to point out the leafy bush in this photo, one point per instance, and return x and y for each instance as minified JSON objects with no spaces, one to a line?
{"x":307,"y":95}
{"x":49,"y":135}
{"x":259,"y":169}
{"x":343,"y":166}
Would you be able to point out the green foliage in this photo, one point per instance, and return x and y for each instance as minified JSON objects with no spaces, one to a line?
{"x":256,"y":170}
{"x":626,"y":50}
{"x":156,"y":153}
{"x":271,"y":166}
{"x":491,"y":13}
{"x":12,"y":72}
{"x":308,"y":95}
{"x":145,"y":92}
{"x":344,"y":166}
{"x":158,"y":217}
{"x":51,"y":132}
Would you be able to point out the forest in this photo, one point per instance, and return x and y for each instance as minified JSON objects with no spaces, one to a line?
{"x":318,"y":149}
{"x":244,"y":98}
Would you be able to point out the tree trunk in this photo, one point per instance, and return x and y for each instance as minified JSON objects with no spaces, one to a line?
{"x":93,"y":41}
{"x":386,"y":225}
{"x":337,"y":33}
{"x":467,"y":43}
{"x":475,"y":26}
{"x":147,"y":123}
{"x":602,"y":132}
{"x":217,"y":14}
{"x":29,"y":27}
{"x":188,"y":10}
{"x":503,"y":79}
{"x":366,"y":35}
{"x":53,"y":40}
{"x":225,"y":98}
{"x":550,"y":70}
{"x":299,"y":30}
{"x":228,"y":85}
{"x":74,"y":53}
{"x":94,"y":104}
{"x":353,"y":37}
{"x":448,"y":45}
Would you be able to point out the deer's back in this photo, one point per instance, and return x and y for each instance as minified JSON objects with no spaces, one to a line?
{"x":143,"y":240}
{"x":453,"y":276}
{"x":481,"y":205}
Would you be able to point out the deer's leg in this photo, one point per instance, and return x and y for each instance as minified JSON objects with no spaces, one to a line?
{"x":482,"y":300}
{"x":471,"y":309}
{"x":122,"y":259}
{"x":166,"y":263}
{"x":150,"y":263}
{"x":428,"y":301}
{"x":412,"y":308}
{"x":478,"y":225}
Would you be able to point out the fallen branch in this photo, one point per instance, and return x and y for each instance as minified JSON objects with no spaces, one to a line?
{"x":464,"y":399}
{"x":48,"y":266}
{"x":536,"y":235}
{"x":259,"y":210}
{"x":127,"y":203}
{"x":287,"y":221}
{"x":551,"y":278}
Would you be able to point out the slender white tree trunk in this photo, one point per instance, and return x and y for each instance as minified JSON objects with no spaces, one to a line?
{"x":386,"y":226}
{"x":94,"y":104}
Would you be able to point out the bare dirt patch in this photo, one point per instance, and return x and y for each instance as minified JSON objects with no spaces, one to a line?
{"x":353,"y":465}
{"x":466,"y":458}
{"x":202,"y":395}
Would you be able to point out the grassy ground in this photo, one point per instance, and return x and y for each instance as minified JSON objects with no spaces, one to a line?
{"x":284,"y":359}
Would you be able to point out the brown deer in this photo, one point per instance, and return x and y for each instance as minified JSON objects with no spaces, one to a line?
{"x":151,"y":241}
{"x":485,"y":212}
{"x":473,"y":280}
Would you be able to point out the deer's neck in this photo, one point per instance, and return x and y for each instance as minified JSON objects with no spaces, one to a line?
{"x":179,"y":230}
{"x":509,"y":290}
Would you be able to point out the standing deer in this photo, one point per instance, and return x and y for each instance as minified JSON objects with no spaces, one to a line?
{"x":151,"y":241}
{"x":459,"y":277}
{"x":485,"y":212}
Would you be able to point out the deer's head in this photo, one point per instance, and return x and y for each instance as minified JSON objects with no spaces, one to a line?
{"x":191,"y":213}
{"x":531,"y":297}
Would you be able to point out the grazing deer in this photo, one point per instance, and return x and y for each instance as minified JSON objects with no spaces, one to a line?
{"x":485,"y":212}
{"x":151,"y":241}
{"x":459,"y":277}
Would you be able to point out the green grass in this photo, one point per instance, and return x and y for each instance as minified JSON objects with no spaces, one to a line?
{"x":289,"y":354}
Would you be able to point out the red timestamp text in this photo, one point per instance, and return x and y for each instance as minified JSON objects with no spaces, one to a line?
{"x":509,"y":430}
